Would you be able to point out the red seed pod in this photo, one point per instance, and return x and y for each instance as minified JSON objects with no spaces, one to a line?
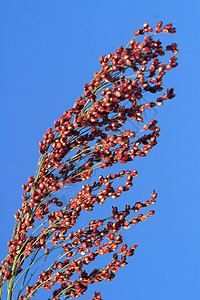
{"x":117,"y":93}
{"x":126,"y":225}
{"x":101,"y":59}
{"x":159,"y":24}
{"x":159,"y":102}
{"x":172,"y":30}
{"x":158,"y":29}
{"x":139,"y":216}
{"x":165,"y":97}
{"x":146,"y":49}
{"x":170,"y":91}
{"x":154,"y":195}
{"x":49,"y":130}
{"x":130,"y":177}
{"x":137,"y":32}
{"x":134,"y":173}
{"x":172,"y":59}
{"x":152,"y":68}
{"x":147,"y":105}
{"x":146,"y":25}
{"x":24,"y":187}
{"x":168,"y":26}
{"x":165,"y":30}
{"x":123,"y":248}
{"x":150,"y":29}
{"x":155,"y":62}
{"x":134,"y":221}
{"x":145,"y":127}
{"x":45,"y":136}
{"x":121,"y":188}
{"x":30,"y":179}
{"x":24,"y":198}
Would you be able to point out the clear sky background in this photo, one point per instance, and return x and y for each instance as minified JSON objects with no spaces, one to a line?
{"x":49,"y":50}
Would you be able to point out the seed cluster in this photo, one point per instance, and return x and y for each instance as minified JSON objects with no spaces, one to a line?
{"x":97,"y":296}
{"x":89,"y":136}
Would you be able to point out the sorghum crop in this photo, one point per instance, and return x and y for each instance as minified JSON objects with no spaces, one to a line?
{"x":91,"y":135}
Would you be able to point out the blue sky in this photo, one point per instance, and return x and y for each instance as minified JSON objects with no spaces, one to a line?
{"x":49,"y":50}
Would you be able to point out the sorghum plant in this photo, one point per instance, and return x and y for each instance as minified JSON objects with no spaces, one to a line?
{"x":91,"y":135}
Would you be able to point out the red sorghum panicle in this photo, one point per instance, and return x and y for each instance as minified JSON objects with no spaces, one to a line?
{"x":92,"y":135}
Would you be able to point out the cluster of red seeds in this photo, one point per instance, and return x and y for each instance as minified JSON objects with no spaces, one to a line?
{"x":83,"y":240}
{"x":97,"y":296}
{"x":92,"y":131}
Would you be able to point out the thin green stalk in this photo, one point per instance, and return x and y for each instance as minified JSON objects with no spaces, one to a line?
{"x":27,"y":270}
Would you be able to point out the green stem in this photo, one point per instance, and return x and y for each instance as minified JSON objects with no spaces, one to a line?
{"x":27,"y":270}
{"x":10,"y":283}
